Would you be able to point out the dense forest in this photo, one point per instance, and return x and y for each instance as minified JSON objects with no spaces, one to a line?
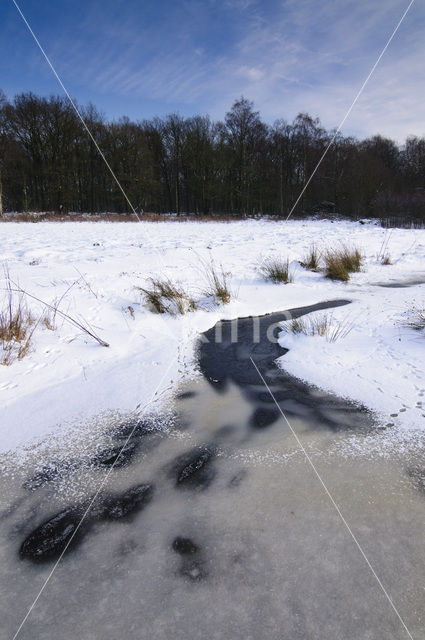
{"x":239,"y":166}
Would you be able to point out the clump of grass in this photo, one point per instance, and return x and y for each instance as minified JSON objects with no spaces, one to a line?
{"x":80,"y":324}
{"x":129,"y":309}
{"x":217,"y":283}
{"x":163,"y":296}
{"x":385,"y":259}
{"x":339,"y":263}
{"x":312,"y":259}
{"x":325,"y":326}
{"x":51,"y":311}
{"x":48,"y":320}
{"x":383,"y":255}
{"x":352,"y":259}
{"x":16,"y":326}
{"x":276,"y":270}
{"x":415,"y":319}
{"x":335,"y":269}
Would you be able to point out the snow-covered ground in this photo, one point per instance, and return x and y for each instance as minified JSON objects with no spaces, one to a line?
{"x":95,"y":269}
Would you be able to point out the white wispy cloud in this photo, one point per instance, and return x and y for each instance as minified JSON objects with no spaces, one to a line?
{"x":287,"y":56}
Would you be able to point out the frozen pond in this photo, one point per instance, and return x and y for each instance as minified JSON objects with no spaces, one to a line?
{"x":213,"y":525}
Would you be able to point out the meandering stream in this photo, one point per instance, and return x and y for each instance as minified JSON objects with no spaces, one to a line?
{"x":212,"y":523}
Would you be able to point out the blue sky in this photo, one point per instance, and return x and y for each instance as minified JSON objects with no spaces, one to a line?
{"x":197,"y":56}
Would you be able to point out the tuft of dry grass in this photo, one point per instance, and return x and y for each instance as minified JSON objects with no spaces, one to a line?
{"x":351,"y":259}
{"x":325,"y":326}
{"x":276,"y":270}
{"x":312,"y":259}
{"x":54,"y":309}
{"x":49,"y":320}
{"x":335,"y":269}
{"x":16,"y":326}
{"x":385,"y":259}
{"x":383,"y":255}
{"x":165,"y":297}
{"x":217,"y":283}
{"x":339,"y":263}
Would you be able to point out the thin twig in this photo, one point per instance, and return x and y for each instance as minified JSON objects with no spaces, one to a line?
{"x":67,"y":317}
{"x":86,"y":283}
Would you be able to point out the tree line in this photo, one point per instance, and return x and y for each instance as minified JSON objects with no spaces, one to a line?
{"x":240,"y":165}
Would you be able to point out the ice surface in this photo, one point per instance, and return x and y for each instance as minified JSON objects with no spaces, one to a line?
{"x":257,"y":551}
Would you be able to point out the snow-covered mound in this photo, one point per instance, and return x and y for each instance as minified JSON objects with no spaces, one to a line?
{"x":95,"y":271}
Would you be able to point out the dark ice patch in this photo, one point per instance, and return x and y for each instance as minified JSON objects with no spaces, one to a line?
{"x":264,"y":417}
{"x":192,"y":564}
{"x":186,"y":395}
{"x":237,"y":478}
{"x":44,"y":475}
{"x":278,"y":395}
{"x":116,"y":456}
{"x":400,"y":284}
{"x":49,"y":473}
{"x":136,"y":428}
{"x":194,"y":468}
{"x":49,"y":539}
{"x":184,"y":546}
{"x":225,"y":431}
{"x":229,"y":360}
{"x":127,"y":504}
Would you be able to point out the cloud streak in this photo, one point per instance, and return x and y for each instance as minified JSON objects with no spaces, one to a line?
{"x":285,"y":55}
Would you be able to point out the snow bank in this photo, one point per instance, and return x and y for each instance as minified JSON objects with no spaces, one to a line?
{"x":98,"y":268}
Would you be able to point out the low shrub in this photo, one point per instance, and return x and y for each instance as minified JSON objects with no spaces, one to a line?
{"x":276,"y":270}
{"x":415,"y":319}
{"x":312,"y":259}
{"x":335,"y":269}
{"x":383,"y":255}
{"x":385,"y":259}
{"x":339,"y":263}
{"x":352,"y":259}
{"x":16,"y":326}
{"x":217,"y":283}
{"x":325,"y":326}
{"x":165,"y":297}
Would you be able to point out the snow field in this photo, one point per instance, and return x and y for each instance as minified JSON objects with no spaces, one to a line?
{"x":67,"y":377}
